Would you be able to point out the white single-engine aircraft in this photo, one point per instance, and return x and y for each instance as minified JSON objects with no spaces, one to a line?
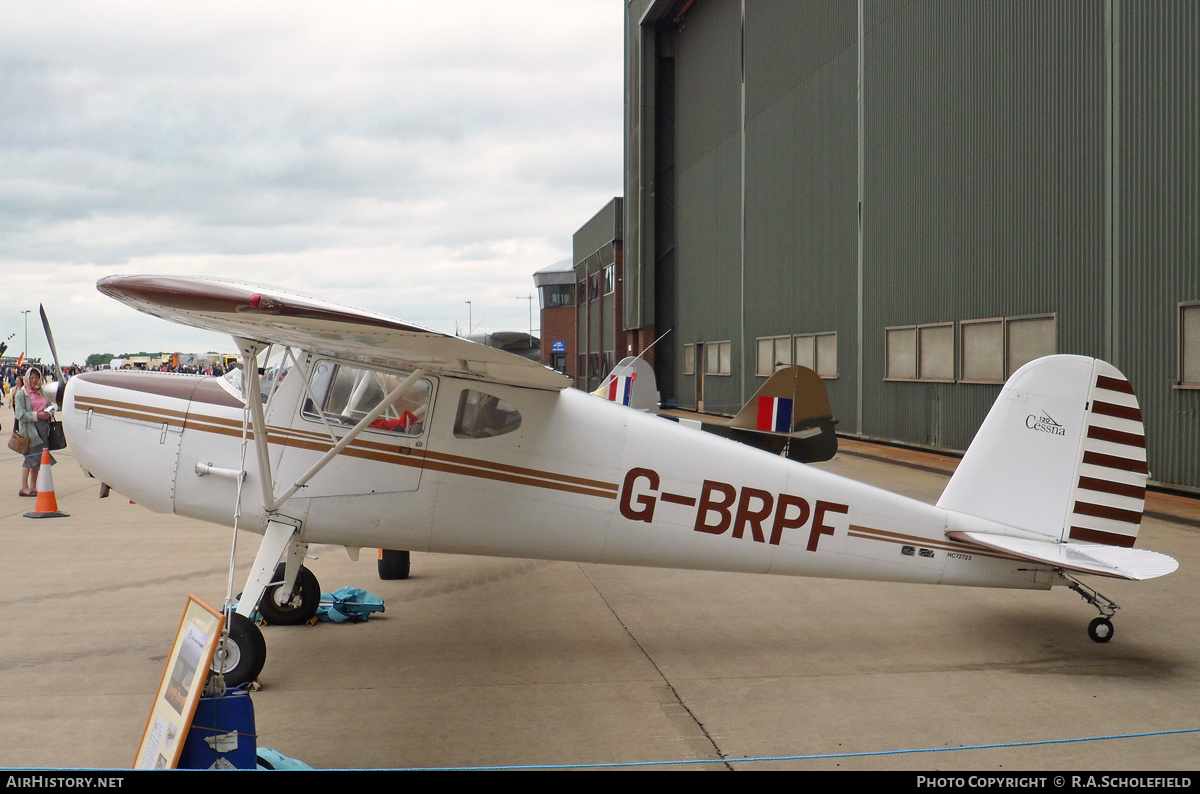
{"x":367,"y":431}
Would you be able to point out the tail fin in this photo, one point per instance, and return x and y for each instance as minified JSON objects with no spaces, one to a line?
{"x":1062,"y":454}
{"x":791,"y":399}
{"x":631,"y":383}
{"x":793,"y":402}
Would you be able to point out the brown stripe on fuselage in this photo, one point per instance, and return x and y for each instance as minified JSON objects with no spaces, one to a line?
{"x":899,"y":539}
{"x":140,"y":413}
{"x":359,"y":448}
{"x":521,"y":471}
{"x":469,"y":470}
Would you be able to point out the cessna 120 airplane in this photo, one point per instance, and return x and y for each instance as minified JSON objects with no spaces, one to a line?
{"x":367,"y":431}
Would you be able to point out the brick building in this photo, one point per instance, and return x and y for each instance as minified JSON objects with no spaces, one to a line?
{"x":582,"y":303}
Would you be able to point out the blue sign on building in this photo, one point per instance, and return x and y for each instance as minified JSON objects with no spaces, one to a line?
{"x":558,"y":346}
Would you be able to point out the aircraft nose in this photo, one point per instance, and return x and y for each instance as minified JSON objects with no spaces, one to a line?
{"x":125,"y":430}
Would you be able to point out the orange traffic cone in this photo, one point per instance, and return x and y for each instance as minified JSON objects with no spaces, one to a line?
{"x":47,"y":505}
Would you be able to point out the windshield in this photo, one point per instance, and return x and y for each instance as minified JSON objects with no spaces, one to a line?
{"x":273,"y":366}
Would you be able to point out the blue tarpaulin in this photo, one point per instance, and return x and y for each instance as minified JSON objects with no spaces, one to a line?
{"x":348,"y":604}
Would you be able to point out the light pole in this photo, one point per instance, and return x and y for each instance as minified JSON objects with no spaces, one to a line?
{"x":529,"y":298}
{"x":468,"y":317}
{"x":26,"y":350}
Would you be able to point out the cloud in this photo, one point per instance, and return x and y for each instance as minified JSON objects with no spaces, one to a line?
{"x":399,"y":156}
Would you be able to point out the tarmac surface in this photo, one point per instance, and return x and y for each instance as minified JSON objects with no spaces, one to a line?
{"x":482,"y":662}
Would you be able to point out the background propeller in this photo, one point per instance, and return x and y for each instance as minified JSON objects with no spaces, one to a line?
{"x":62,"y":380}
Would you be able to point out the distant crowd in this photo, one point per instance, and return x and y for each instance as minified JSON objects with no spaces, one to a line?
{"x":10,"y":373}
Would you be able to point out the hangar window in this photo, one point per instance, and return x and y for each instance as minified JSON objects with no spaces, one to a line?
{"x":482,"y":415}
{"x":1189,"y":345}
{"x":982,"y":350}
{"x":718,"y":358}
{"x":935,"y":352}
{"x":346,"y":394}
{"x":689,"y":359}
{"x":818,"y":352}
{"x":773,"y":352}
{"x":805,"y":351}
{"x":1027,"y":338}
{"x":827,"y":355}
{"x":901,"y":353}
{"x":610,"y":279}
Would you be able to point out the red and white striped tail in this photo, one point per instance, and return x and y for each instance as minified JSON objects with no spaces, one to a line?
{"x":1061,"y":456}
{"x":1109,"y":494}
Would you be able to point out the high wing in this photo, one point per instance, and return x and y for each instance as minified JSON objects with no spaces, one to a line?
{"x":272,"y":315}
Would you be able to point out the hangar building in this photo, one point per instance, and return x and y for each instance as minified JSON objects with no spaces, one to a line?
{"x":914,"y":197}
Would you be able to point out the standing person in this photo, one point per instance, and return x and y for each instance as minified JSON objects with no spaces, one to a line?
{"x":17,"y":385}
{"x":33,"y":421}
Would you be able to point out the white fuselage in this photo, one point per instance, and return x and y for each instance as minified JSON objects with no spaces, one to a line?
{"x":580,"y":479}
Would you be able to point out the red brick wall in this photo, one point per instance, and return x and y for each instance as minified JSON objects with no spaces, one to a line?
{"x":559,"y":323}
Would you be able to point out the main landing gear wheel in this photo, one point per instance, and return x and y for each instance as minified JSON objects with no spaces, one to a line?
{"x":296,"y":609}
{"x":240,"y":658}
{"x":393,"y":564}
{"x":1100,"y":630}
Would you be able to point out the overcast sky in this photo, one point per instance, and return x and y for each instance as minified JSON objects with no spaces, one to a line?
{"x":399,"y":156}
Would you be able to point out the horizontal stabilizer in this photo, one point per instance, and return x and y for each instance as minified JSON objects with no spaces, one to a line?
{"x":1114,"y":561}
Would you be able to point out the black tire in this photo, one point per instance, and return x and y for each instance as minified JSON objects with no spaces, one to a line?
{"x":243,"y":653}
{"x":393,"y":564}
{"x":306,"y":597}
{"x":1100,"y":630}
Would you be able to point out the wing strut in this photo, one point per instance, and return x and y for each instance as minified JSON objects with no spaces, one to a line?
{"x":253,"y":394}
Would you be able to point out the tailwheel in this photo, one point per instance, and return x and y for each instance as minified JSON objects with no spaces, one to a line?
{"x":282,"y":609}
{"x":1100,"y":630}
{"x":241,"y":655}
{"x":393,"y":564}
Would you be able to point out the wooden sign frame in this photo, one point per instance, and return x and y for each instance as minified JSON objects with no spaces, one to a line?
{"x":182,"y":684}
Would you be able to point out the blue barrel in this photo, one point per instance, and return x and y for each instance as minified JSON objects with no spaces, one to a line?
{"x":222,"y":734}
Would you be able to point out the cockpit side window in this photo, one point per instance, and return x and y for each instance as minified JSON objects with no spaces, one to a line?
{"x":346,"y":394}
{"x":482,"y":415}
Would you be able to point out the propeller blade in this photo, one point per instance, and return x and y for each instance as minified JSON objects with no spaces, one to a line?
{"x":62,"y":381}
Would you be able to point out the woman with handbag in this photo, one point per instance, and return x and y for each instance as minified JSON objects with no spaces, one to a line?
{"x":33,"y":423}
